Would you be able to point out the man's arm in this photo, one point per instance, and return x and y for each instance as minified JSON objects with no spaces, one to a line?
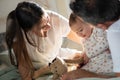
{"x":80,"y":73}
{"x":118,"y":74}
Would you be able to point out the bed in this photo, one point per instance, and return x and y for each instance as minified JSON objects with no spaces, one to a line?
{"x":9,"y":72}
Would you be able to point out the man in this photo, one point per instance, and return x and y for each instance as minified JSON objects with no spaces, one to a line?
{"x":104,"y":14}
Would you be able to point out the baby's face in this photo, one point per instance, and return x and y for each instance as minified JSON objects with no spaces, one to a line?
{"x":82,"y":28}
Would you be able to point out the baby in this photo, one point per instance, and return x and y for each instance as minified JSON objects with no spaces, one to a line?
{"x":95,"y":46}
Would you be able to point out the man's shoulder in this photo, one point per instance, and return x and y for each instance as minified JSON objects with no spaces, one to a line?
{"x":115,"y":26}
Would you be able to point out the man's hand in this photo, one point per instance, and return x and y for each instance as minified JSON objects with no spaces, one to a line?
{"x":118,"y":74}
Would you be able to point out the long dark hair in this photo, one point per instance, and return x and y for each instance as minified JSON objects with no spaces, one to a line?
{"x":20,"y":21}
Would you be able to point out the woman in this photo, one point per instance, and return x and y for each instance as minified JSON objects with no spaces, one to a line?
{"x":36,"y":36}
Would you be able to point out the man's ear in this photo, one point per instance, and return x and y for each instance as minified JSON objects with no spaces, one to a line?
{"x":102,"y":26}
{"x":105,"y":25}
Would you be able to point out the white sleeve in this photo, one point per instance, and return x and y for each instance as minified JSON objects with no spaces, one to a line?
{"x":67,"y":53}
{"x":62,"y":23}
{"x":113,"y":37}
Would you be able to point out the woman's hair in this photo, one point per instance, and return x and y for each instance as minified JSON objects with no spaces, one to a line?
{"x":20,"y":21}
{"x":72,"y":19}
{"x":96,"y":11}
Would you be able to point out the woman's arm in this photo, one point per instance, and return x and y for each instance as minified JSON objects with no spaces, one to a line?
{"x":41,"y":71}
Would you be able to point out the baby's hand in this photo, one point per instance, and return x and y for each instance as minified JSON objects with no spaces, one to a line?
{"x":85,"y":58}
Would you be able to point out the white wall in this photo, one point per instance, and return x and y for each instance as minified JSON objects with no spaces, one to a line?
{"x":5,"y":7}
{"x":60,"y":6}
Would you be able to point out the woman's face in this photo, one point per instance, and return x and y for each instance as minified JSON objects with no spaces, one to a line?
{"x":42,"y":28}
{"x":82,"y":28}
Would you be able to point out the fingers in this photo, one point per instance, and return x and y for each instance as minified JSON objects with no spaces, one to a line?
{"x":85,"y":58}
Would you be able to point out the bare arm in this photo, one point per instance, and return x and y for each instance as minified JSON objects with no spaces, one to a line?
{"x":41,"y":71}
{"x":46,"y":69}
{"x":79,"y":73}
{"x":118,"y":74}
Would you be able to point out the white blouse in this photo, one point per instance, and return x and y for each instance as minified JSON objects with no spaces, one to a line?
{"x":47,"y":48}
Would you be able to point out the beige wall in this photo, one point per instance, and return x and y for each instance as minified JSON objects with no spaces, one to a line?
{"x":60,"y":6}
{"x":63,"y":7}
{"x":5,"y":7}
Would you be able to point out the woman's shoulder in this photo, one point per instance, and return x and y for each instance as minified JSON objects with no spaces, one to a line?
{"x":56,"y":15}
{"x":52,"y":13}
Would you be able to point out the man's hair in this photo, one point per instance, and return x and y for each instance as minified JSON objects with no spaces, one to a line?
{"x":96,"y":11}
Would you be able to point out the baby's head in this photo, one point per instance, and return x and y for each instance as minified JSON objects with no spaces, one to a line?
{"x":80,"y":27}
